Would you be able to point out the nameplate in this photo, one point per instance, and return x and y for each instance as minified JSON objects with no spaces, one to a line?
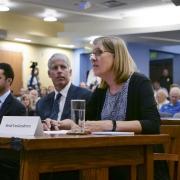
{"x":21,"y":126}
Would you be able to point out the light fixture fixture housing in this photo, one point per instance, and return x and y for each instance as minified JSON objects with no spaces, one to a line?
{"x":22,"y":40}
{"x":4,"y":8}
{"x":70,"y":46}
{"x":50,"y":19}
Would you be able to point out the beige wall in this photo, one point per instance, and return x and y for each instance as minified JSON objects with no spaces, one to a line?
{"x":36,"y":53}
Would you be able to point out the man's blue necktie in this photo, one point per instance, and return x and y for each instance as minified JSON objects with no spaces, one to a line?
{"x":55,"y":108}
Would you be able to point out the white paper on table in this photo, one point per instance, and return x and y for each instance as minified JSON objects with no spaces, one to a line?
{"x":113,"y":133}
{"x":56,"y":132}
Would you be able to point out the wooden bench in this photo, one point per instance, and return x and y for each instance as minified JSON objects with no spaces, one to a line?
{"x":172,"y":149}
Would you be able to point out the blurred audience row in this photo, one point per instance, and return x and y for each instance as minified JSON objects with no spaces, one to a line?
{"x":29,"y":98}
{"x":168,"y":104}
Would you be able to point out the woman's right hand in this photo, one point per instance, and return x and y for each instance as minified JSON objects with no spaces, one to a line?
{"x":67,"y":124}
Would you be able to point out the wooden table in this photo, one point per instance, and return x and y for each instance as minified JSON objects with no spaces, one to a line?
{"x":91,"y":154}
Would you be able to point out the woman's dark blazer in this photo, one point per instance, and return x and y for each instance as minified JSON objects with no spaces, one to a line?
{"x":141,"y":104}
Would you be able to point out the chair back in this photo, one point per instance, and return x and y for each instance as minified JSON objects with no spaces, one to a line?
{"x":172,"y":149}
{"x":177,"y":115}
{"x":174,"y":133}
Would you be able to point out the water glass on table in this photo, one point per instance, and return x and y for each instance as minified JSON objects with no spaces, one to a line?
{"x":78,"y":107}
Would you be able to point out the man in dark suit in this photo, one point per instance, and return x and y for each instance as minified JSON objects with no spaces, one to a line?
{"x":44,"y":105}
{"x":9,"y":106}
{"x":59,"y":70}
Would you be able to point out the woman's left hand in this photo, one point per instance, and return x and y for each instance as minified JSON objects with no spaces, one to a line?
{"x":105,"y":125}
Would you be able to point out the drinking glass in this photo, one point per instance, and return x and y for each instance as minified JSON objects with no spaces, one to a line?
{"x":78,"y":107}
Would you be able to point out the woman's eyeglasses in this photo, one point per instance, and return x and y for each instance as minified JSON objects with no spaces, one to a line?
{"x":98,"y":52}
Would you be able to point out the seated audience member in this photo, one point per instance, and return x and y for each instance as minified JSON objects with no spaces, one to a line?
{"x":43,"y":91}
{"x":173,"y":106}
{"x":59,"y":70}
{"x":34,"y":96}
{"x":21,"y":93}
{"x":26,"y":101}
{"x":156,"y":86}
{"x":9,"y":106}
{"x":161,"y":97}
{"x":124,"y":101}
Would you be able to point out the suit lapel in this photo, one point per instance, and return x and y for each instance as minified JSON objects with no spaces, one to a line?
{"x":49,"y":103}
{"x":6,"y":105}
{"x":67,"y":106}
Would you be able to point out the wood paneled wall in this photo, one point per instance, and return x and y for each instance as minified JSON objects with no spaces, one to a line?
{"x":15,"y":60}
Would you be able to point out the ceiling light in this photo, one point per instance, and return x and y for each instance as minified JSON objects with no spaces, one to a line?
{"x":22,"y":40}
{"x":50,"y":19}
{"x":3,"y":8}
{"x":66,"y":46}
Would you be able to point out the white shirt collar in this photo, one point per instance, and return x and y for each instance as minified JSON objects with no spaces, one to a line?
{"x":4,"y":96}
{"x":64,"y":91}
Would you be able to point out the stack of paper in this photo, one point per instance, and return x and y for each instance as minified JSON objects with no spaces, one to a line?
{"x":113,"y":133}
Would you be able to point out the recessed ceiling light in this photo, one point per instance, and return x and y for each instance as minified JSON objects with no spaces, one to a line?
{"x":50,"y":19}
{"x":66,"y":46}
{"x":3,"y":8}
{"x":22,"y":40}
